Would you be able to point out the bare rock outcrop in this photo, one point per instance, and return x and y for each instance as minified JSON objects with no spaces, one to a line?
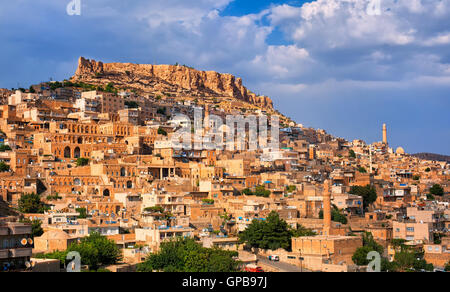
{"x":170,"y":78}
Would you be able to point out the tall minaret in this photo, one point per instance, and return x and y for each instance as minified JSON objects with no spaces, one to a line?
{"x":207,"y":125}
{"x":326,"y":208}
{"x":385,"y":134}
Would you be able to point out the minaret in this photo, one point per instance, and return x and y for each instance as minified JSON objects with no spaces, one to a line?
{"x":207,"y":125}
{"x":326,"y":209}
{"x":385,"y":134}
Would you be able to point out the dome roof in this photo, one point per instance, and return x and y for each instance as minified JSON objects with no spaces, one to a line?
{"x":400,"y":150}
{"x":55,"y":234}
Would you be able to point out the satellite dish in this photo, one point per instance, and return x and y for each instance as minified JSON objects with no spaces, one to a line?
{"x":30,"y":241}
{"x":27,"y":264}
{"x":24,"y":241}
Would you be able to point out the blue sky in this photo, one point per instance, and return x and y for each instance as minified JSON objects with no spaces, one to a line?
{"x":325,"y":63}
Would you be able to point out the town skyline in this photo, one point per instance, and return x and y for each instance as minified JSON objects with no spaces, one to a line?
{"x":224,"y":143}
{"x":273,"y":46}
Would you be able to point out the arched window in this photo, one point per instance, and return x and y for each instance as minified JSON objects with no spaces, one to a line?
{"x":67,"y":152}
{"x":123,"y":171}
{"x":129,"y":184}
{"x":77,"y":152}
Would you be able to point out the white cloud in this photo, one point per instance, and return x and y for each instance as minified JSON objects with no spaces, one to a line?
{"x":282,"y":61}
{"x":337,"y":39}
{"x":441,"y":39}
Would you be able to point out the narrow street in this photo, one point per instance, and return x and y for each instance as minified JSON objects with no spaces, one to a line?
{"x":283,"y":267}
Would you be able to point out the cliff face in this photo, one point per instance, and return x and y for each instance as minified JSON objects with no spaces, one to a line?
{"x":168,"y":78}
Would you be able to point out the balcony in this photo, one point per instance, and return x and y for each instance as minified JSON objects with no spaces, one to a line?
{"x":20,"y":229}
{"x":4,"y":230}
{"x":21,"y":252}
{"x":4,"y":253}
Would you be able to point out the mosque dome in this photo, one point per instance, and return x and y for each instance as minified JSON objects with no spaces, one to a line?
{"x":400,"y":150}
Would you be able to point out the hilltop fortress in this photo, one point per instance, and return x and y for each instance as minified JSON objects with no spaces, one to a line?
{"x":173,"y":79}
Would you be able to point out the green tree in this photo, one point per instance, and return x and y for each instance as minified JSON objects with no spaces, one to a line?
{"x":161,"y":111}
{"x":368,"y":193}
{"x":302,"y":231}
{"x":4,"y":167}
{"x":430,"y":197}
{"x":291,"y":189}
{"x":161,"y":131}
{"x":369,"y":245}
{"x":408,"y":260}
{"x":362,"y":169}
{"x":54,"y":197}
{"x":447,"y":267}
{"x":96,"y":250}
{"x":31,"y":203}
{"x":247,"y":192}
{"x":4,"y":148}
{"x":82,"y":161}
{"x":225,"y":217}
{"x":360,"y":256}
{"x":387,"y":266}
{"x":399,"y":243}
{"x":260,"y":191}
{"x":36,"y":228}
{"x":352,"y":154}
{"x":272,"y":233}
{"x":155,"y":209}
{"x":131,"y":104}
{"x":370,"y":242}
{"x":83,"y":213}
{"x":110,"y":88}
{"x":221,"y":261}
{"x":437,"y":190}
{"x":185,"y":255}
{"x":336,"y":215}
{"x":208,"y":201}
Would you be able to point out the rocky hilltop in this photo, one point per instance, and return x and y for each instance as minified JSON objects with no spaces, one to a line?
{"x":172,"y":79}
